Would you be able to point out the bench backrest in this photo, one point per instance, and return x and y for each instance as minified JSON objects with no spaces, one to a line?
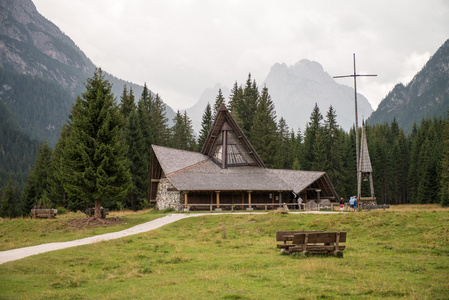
{"x":43,"y":211}
{"x":319,"y":238}
{"x":282,"y":236}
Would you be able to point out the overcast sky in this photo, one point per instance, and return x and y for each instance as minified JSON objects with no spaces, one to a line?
{"x":180,"y":48}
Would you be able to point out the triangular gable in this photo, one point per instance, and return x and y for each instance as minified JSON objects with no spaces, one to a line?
{"x":239,"y":150}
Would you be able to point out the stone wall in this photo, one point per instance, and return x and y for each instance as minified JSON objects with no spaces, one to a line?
{"x":167,"y":196}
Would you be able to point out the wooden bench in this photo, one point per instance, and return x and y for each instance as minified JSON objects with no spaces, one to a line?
{"x":318,"y":243}
{"x":43,"y":213}
{"x":287,"y":238}
{"x":374,"y":207}
{"x":90,"y":212}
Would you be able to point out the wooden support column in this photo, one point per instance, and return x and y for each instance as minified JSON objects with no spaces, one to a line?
{"x":371,"y":185}
{"x":218,"y":200}
{"x":186,"y":201}
{"x":249,"y":200}
{"x":243,"y":200}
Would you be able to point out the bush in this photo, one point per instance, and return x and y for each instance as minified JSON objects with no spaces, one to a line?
{"x":62,"y":210}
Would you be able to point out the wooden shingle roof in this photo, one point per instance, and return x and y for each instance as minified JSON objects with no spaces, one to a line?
{"x":191,"y":171}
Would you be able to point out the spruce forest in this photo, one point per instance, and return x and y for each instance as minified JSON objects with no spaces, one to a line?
{"x":102,"y":155}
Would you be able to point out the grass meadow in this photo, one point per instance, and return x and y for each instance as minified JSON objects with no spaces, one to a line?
{"x":400,"y":253}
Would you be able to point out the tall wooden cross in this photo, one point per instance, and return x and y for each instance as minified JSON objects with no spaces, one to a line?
{"x":355,"y":75}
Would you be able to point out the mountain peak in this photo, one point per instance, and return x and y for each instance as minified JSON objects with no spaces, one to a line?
{"x":296,"y":89}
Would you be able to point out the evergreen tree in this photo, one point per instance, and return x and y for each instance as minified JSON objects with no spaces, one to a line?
{"x":444,"y":191}
{"x":36,"y":189}
{"x":333,"y":141}
{"x":218,"y":101}
{"x":286,"y":145}
{"x":95,"y":163}
{"x":138,"y":163}
{"x":206,"y":124}
{"x":143,"y":110}
{"x":127,"y":102}
{"x":311,"y":132}
{"x":8,"y":204}
{"x":55,"y":189}
{"x":248,"y":106}
{"x":235,"y":102}
{"x":182,"y":133}
{"x":158,"y":122}
{"x":297,"y":146}
{"x":264,"y":132}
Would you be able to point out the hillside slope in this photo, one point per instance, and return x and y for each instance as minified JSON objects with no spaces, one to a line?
{"x":32,"y":45}
{"x":426,"y":96}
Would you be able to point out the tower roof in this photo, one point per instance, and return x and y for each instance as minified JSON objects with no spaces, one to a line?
{"x":365,"y":161}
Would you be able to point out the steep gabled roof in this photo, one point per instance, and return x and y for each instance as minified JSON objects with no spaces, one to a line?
{"x":365,"y":161}
{"x":172,"y":160}
{"x":191,"y":171}
{"x":245,"y":153}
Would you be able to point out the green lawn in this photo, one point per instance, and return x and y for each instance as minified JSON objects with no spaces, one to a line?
{"x":389,"y":254}
{"x":18,"y":233}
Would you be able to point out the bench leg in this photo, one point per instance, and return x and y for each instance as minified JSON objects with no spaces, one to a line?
{"x":338,"y":253}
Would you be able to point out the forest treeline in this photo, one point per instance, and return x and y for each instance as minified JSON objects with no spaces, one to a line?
{"x":102,"y":156}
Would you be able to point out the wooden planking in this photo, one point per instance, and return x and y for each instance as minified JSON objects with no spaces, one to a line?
{"x":282,"y":236}
{"x":313,"y":248}
{"x":318,"y":237}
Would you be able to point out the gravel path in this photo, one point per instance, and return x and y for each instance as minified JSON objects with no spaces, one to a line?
{"x":15,"y":254}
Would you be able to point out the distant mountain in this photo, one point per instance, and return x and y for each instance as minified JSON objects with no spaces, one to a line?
{"x":295,"y":90}
{"x":195,"y":112}
{"x":31,"y":45}
{"x":426,"y":96}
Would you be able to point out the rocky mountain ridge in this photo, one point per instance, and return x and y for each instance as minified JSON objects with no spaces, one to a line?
{"x":426,"y":96}
{"x":31,"y":45}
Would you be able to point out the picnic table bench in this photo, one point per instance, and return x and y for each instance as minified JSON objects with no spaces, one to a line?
{"x":312,"y":242}
{"x":43,"y":213}
{"x":373,"y":207}
{"x":90,"y":212}
{"x":287,"y":238}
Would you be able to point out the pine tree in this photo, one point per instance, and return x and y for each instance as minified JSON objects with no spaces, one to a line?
{"x":55,"y":189}
{"x":143,"y":110}
{"x":334,"y":144}
{"x":235,"y":102}
{"x":127,"y":102}
{"x":158,"y":122}
{"x":182,"y":133}
{"x":138,"y":163}
{"x":264,"y":135}
{"x":444,"y":191}
{"x":247,"y":108}
{"x":320,"y":152}
{"x":297,"y":147}
{"x":95,"y":163}
{"x":218,"y":101}
{"x":9,"y":199}
{"x":286,"y":145}
{"x":206,"y":124}
{"x":311,"y":132}
{"x":37,"y":187}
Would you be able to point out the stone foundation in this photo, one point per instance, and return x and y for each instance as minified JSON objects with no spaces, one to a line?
{"x":167,"y":196}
